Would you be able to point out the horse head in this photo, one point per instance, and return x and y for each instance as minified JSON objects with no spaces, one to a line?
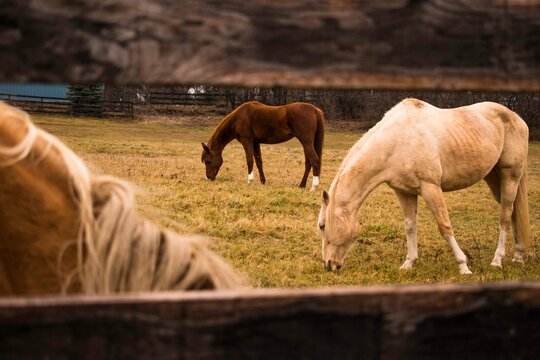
{"x":337,"y":228}
{"x":212,"y":161}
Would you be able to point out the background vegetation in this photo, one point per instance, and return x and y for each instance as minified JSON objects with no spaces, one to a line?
{"x":363,"y":107}
{"x":268,"y":232}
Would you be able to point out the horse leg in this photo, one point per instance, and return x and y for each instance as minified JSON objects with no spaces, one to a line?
{"x":434,"y":198}
{"x":409,"y":203}
{"x":313,"y":159}
{"x":306,"y":171}
{"x":248,"y":148}
{"x":258,"y":161}
{"x":508,"y":191}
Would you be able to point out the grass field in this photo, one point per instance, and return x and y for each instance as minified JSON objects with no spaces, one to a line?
{"x":268,"y":233}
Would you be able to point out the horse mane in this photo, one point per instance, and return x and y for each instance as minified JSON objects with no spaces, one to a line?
{"x":117,"y":251}
{"x":222,"y":125}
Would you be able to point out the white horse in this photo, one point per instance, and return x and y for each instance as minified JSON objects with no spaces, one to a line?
{"x":419,"y":149}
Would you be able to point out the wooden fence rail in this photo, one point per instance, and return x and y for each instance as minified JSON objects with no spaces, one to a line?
{"x":395,"y":44}
{"x":495,"y":321}
{"x":424,"y":44}
{"x":57,"y":105}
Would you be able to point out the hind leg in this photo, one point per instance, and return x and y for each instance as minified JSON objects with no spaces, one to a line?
{"x":508,"y":189}
{"x":313,"y":159}
{"x":258,"y":161}
{"x":306,"y":171}
{"x":520,"y":247}
{"x":409,"y":203}
{"x":434,"y":198}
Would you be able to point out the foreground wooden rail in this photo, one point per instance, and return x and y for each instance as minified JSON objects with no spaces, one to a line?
{"x":499,"y":320}
{"x":397,"y":44}
{"x":465,"y":44}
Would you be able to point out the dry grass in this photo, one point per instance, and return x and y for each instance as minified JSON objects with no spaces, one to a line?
{"x":269,"y":232}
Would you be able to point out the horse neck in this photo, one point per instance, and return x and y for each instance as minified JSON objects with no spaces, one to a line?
{"x":356,"y":181}
{"x":223,"y":134}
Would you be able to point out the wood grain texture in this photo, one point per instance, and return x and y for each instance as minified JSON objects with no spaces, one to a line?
{"x":449,"y":321}
{"x":462,"y":44}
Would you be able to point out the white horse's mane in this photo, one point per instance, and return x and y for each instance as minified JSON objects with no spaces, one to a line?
{"x":117,"y":251}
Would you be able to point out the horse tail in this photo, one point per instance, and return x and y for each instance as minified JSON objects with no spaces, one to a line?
{"x":520,"y":215}
{"x":319,"y":134}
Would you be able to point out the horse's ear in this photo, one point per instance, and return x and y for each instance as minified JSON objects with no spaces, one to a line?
{"x":325,"y":198}
{"x":205,"y":148}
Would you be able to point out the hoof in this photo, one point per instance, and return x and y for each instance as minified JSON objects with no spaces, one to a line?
{"x":464,"y":270}
{"x":518,"y":260}
{"x":407,"y":265}
{"x":496,"y":263}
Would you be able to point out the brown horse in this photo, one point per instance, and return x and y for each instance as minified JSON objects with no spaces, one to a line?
{"x":253,"y":124}
{"x":63,"y":228}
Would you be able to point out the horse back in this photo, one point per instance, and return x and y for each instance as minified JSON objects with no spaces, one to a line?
{"x":275,"y":124}
{"x":451,"y":147}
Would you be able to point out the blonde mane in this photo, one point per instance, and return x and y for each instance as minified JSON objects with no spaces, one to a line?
{"x":117,"y":251}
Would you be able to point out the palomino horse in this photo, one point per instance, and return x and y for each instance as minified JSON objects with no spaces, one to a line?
{"x":418,"y":149}
{"x":63,"y":229}
{"x":253,"y":124}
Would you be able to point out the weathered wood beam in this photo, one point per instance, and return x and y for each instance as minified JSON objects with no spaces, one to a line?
{"x":432,"y":44}
{"x":444,"y":321}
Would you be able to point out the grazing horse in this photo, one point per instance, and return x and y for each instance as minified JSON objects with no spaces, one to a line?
{"x":64,"y":229}
{"x":253,"y":124}
{"x":419,"y":149}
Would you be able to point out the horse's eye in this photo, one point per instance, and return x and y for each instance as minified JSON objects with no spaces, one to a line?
{"x":321,"y":226}
{"x":207,"y":162}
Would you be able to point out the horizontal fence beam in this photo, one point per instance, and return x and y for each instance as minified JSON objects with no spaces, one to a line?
{"x":409,"y":322}
{"x":102,"y":108}
{"x":425,"y":44}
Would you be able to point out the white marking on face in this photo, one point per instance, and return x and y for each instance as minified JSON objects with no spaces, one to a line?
{"x":251,"y":177}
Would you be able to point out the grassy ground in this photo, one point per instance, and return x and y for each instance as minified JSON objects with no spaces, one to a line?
{"x":269,"y":232}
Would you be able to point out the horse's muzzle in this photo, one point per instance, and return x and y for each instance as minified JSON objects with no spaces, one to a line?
{"x":329,"y":266}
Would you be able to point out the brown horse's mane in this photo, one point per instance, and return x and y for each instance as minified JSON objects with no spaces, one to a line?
{"x":222,"y":134}
{"x":117,"y":251}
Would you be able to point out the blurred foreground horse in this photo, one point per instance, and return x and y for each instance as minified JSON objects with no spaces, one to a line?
{"x":419,"y":149}
{"x":253,"y":124}
{"x":65,"y":229}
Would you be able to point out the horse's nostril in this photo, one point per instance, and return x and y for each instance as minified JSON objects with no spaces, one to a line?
{"x":329,"y":265}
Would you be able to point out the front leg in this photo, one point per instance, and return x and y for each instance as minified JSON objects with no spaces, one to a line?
{"x":248,"y":148}
{"x":409,"y":203}
{"x":434,"y":198}
{"x":258,"y":161}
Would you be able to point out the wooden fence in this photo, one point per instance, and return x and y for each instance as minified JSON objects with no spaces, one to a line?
{"x":423,"y":44}
{"x":171,"y":98}
{"x":54,"y":105}
{"x":489,"y":321}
